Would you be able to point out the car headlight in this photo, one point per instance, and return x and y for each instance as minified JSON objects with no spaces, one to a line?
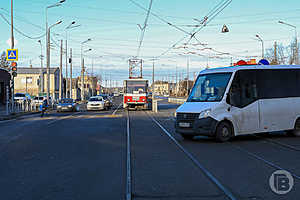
{"x":204,"y":113}
{"x":70,"y":106}
{"x":58,"y":106}
{"x":175,"y":114}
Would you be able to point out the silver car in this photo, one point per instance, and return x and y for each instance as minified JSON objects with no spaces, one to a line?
{"x":96,"y":103}
{"x":66,"y":105}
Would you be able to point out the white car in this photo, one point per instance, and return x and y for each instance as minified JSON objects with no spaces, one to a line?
{"x":20,"y":97}
{"x":37,"y":101}
{"x":96,"y":103}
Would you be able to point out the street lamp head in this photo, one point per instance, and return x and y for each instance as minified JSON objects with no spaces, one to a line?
{"x":257,"y":36}
{"x":59,"y":22}
{"x":61,"y":1}
{"x":280,"y":22}
{"x":39,"y":41}
{"x":73,"y":22}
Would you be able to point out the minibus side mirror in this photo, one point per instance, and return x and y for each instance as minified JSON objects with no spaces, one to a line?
{"x":228,"y":98}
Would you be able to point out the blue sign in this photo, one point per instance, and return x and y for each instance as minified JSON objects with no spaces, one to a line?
{"x":263,"y":62}
{"x":12,"y":54}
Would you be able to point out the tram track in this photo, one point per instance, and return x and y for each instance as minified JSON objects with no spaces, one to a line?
{"x":195,"y":161}
{"x":281,"y":144}
{"x":266,"y":161}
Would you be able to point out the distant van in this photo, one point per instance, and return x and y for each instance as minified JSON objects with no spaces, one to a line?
{"x":239,"y":100}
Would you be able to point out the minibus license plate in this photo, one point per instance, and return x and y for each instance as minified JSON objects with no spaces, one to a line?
{"x":184,"y":124}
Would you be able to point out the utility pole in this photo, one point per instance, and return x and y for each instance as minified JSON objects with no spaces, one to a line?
{"x":42,"y":70}
{"x":187,"y":76}
{"x":71,"y":76}
{"x":12,"y":47}
{"x":92,"y":76}
{"x":82,"y":80}
{"x":176,"y":82}
{"x":275,"y":53}
{"x":66,"y":68}
{"x":48,"y":64}
{"x":60,"y":70}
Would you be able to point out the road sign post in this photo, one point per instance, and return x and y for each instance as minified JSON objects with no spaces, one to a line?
{"x":12,"y":54}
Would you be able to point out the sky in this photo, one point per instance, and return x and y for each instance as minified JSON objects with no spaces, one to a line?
{"x":113,"y":27}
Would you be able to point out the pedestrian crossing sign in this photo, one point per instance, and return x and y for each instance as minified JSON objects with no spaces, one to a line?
{"x":12,"y":54}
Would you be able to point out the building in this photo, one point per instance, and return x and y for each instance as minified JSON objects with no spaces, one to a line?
{"x":90,"y":85}
{"x":161,"y":88}
{"x":4,"y":84}
{"x":34,"y":81}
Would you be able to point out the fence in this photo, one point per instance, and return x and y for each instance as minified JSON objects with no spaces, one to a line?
{"x":21,"y":107}
{"x":176,"y":100}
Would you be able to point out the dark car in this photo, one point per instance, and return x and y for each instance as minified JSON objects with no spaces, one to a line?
{"x":66,"y":105}
{"x":107,"y":101}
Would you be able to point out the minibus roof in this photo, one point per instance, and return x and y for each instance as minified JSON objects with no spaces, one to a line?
{"x":245,"y":67}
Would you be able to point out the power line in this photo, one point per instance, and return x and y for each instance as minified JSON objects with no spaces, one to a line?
{"x":20,"y":32}
{"x":144,"y":28}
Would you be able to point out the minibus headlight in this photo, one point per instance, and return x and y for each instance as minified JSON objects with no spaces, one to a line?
{"x":204,"y":113}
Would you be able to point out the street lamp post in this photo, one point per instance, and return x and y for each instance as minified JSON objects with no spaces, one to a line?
{"x":48,"y":59}
{"x":59,"y":3}
{"x":82,"y":67}
{"x":70,"y":87}
{"x":42,"y":70}
{"x":262,"y":46}
{"x":296,"y":60}
{"x":46,"y":11}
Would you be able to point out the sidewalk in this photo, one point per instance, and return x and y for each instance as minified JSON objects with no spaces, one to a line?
{"x":4,"y":116}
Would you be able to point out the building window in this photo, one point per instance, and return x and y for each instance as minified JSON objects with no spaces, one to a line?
{"x":26,"y":80}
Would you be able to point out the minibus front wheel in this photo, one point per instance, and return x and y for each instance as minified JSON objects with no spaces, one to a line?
{"x":187,"y":137}
{"x":224,"y":131}
{"x":296,"y":130}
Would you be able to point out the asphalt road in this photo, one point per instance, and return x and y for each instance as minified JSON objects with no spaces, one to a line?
{"x":84,"y":156}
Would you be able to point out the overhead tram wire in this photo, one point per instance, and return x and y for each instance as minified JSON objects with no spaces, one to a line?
{"x":144,"y":28}
{"x":218,"y":9}
{"x":20,"y":32}
{"x":160,"y":18}
{"x":214,"y":12}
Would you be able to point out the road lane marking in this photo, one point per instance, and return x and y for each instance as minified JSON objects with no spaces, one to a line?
{"x":62,"y":118}
{"x":196,"y":162}
{"x":117,"y":109}
{"x":128,"y":182}
{"x":10,"y":120}
{"x":265,"y":161}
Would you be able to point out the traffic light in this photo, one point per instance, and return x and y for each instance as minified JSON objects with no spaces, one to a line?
{"x":14,"y":69}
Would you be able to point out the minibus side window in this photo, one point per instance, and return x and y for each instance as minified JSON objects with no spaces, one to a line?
{"x":243,"y":89}
{"x":278,"y":83}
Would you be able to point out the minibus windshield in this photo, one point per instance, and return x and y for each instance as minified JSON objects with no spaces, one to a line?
{"x":209,"y":87}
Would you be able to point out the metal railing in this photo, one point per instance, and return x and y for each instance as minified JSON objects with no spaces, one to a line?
{"x":21,"y":107}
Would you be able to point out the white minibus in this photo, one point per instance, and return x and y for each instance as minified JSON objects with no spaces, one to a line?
{"x":239,"y":100}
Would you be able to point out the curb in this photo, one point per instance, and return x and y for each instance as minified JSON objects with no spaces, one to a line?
{"x":16,"y":115}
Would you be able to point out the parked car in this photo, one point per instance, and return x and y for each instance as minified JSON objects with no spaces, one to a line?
{"x":66,"y":105}
{"x":37,"y":101}
{"x":21,"y":97}
{"x":96,"y":103}
{"x":107,"y":101}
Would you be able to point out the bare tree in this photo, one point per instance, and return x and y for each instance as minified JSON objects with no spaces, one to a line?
{"x":3,"y":62}
{"x":281,"y":54}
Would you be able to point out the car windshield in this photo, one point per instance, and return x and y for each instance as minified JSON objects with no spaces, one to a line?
{"x":136,"y":86}
{"x":66,"y":101}
{"x":19,"y":95}
{"x":209,"y":87}
{"x":95,"y":99}
{"x":104,"y":97}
